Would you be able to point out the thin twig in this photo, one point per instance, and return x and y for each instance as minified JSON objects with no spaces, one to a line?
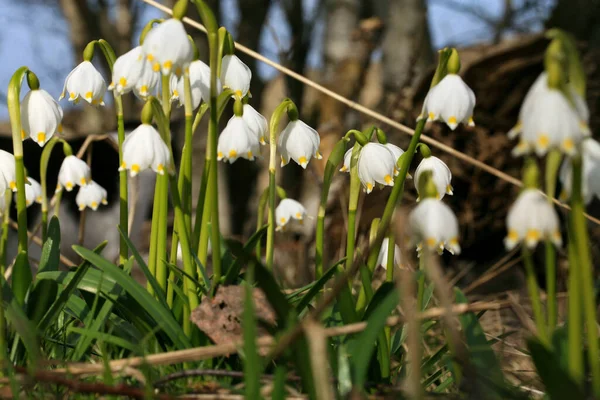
{"x":373,"y":114}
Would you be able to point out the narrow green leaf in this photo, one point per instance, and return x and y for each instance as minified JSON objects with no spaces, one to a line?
{"x":482,"y":356}
{"x":162,"y":316}
{"x":252,"y":362}
{"x":105,"y":337}
{"x":21,"y":277}
{"x":243,"y":255}
{"x":365,"y":342}
{"x":317,"y":286}
{"x":70,"y":287}
{"x":44,"y":291}
{"x":158,"y":292}
{"x":557,"y":380}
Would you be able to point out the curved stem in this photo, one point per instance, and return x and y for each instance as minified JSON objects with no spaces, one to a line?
{"x":273,"y":127}
{"x":45,"y":158}
{"x":352,"y":205}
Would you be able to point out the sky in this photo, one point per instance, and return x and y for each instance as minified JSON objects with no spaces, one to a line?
{"x":37,"y":36}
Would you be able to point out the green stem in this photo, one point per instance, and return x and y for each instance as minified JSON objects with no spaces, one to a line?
{"x":123,"y":201}
{"x":587,"y":274}
{"x":189,"y":284}
{"x":185,"y":184}
{"x":210,"y":212}
{"x":534,"y":295}
{"x":260,"y":216}
{"x":273,"y":127}
{"x":331,"y":167}
{"x":391,"y":257}
{"x":393,"y":200}
{"x":200,"y":222}
{"x":352,"y":205}
{"x":575,"y":325}
{"x":552,"y":165}
{"x":14,"y":110}
{"x":421,"y":282}
{"x":4,"y":238}
{"x":161,"y":237}
{"x":154,"y":234}
{"x":44,"y":183}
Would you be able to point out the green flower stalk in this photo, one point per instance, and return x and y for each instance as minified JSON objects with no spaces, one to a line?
{"x":552,"y":165}
{"x":335,"y":158}
{"x":14,"y":111}
{"x":210,"y":212}
{"x":44,"y":183}
{"x":586,"y":273}
{"x":4,"y":238}
{"x":355,"y":188}
{"x":286,"y":106}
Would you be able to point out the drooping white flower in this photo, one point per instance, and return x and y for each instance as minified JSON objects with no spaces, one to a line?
{"x":287,"y":210}
{"x":167,"y":47}
{"x":132,"y":71}
{"x":33,"y":192}
{"x":235,"y":75}
{"x":440,"y":173}
{"x":41,"y":116}
{"x":84,"y":82}
{"x":143,"y":149}
{"x":547,"y":120}
{"x":434,"y":226}
{"x":347,"y":161}
{"x":237,"y":140}
{"x":8,"y":176}
{"x":531,"y":219}
{"x":91,"y":195}
{"x":256,"y":122}
{"x":450,"y":101}
{"x":73,"y":171}
{"x":174,"y":88}
{"x":538,"y":90}
{"x":383,"y":254}
{"x":590,"y":185}
{"x":199,"y":84}
{"x":299,"y":142}
{"x":376,"y":164}
{"x":396,"y":151}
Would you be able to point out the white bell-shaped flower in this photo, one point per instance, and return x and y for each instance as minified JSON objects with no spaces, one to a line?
{"x":41,"y":116}
{"x":8,"y":175}
{"x":237,"y":141}
{"x":288,"y":210}
{"x":434,"y":226}
{"x":531,"y":219}
{"x":199,"y":84}
{"x":84,"y":82}
{"x":440,"y":174}
{"x":376,"y":164}
{"x":256,"y":122}
{"x":347,"y":161}
{"x":91,"y":195}
{"x":174,"y":88}
{"x":73,"y":171}
{"x":127,"y":70}
{"x":547,"y":120}
{"x":299,"y":142}
{"x":235,"y":75}
{"x":143,"y":149}
{"x":590,"y":185}
{"x":133,"y":72}
{"x":450,"y":101}
{"x":396,"y":151}
{"x":383,"y":254}
{"x":540,"y":89}
{"x":33,"y":192}
{"x":167,"y":47}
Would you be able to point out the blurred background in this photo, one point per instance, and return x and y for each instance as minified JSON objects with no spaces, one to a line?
{"x":380,"y":53}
